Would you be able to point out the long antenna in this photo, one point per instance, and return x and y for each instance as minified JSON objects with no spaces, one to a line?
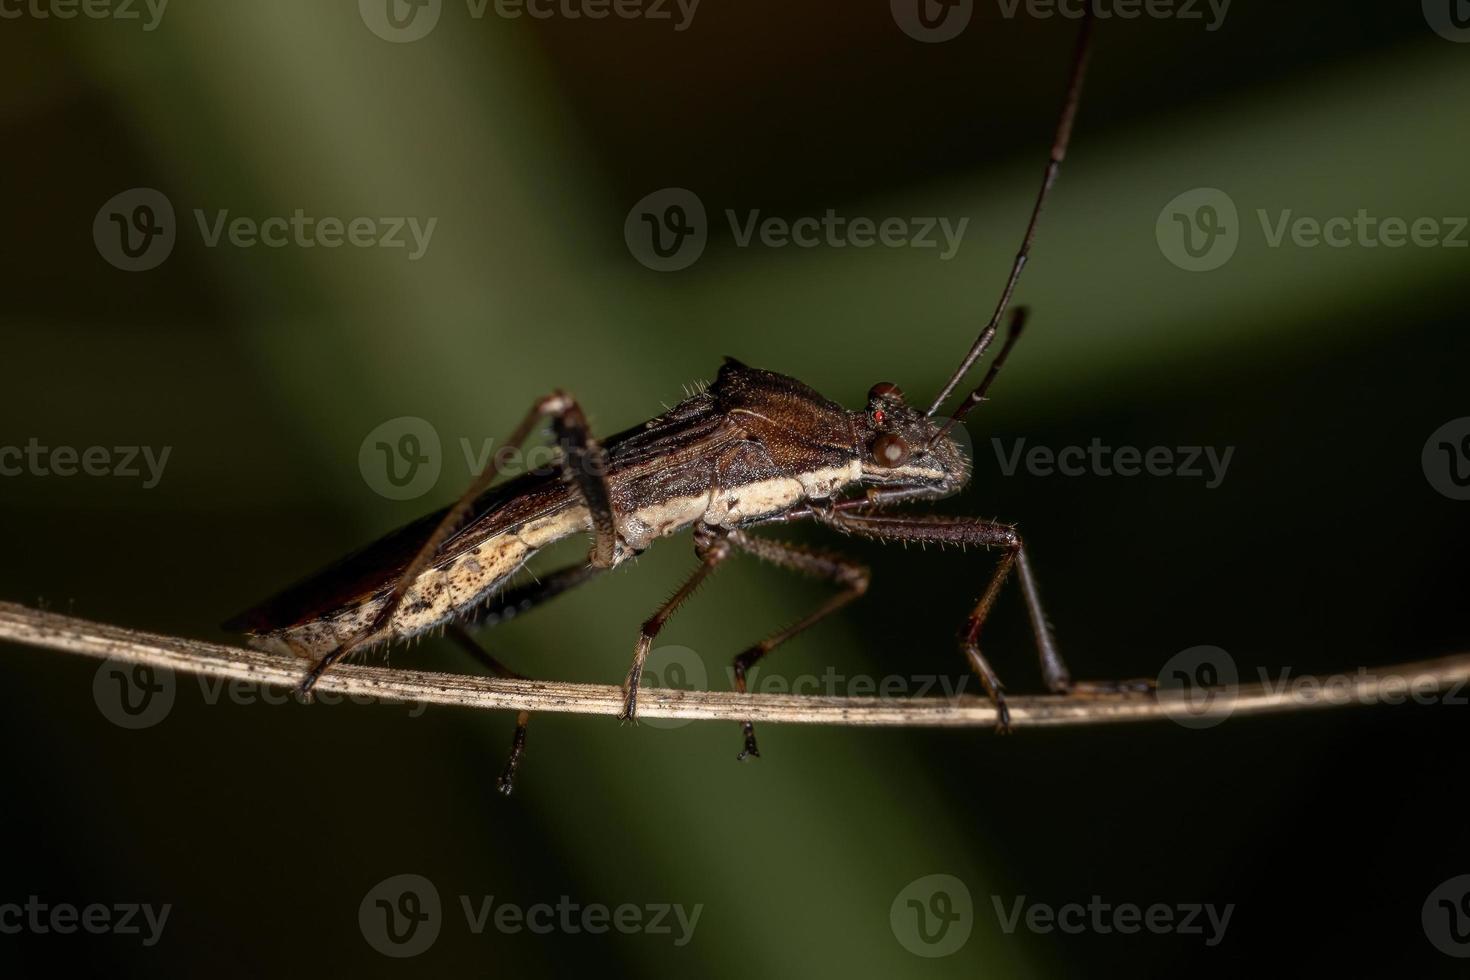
{"x":1053,"y":165}
{"x":1018,"y":323}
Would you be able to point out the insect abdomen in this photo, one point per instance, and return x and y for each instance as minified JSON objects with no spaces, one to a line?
{"x":442,"y":593}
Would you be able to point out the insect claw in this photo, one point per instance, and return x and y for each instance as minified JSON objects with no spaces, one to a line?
{"x":629,"y":714}
{"x":308,"y":684}
{"x":750,"y":749}
{"x":1002,"y":715}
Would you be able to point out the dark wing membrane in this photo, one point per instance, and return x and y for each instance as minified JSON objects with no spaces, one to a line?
{"x":370,"y":570}
{"x":676,"y":454}
{"x":688,"y":431}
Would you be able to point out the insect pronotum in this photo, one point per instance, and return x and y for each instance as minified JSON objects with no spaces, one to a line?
{"x":754,"y":448}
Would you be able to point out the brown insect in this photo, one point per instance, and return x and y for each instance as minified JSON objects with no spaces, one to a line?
{"x":754,"y":448}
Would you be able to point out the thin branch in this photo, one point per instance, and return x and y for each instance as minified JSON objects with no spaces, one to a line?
{"x":47,"y":630}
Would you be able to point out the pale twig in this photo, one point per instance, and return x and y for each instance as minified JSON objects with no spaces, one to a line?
{"x":1418,"y":681}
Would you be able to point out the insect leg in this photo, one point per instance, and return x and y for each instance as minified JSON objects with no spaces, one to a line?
{"x":584,"y":459}
{"x":713,"y":547}
{"x":969,"y":531}
{"x":851,"y":576}
{"x":506,"y":782}
{"x":510,"y":603}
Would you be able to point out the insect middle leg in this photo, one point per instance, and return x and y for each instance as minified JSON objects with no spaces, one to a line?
{"x":713,"y":547}
{"x":852,"y":577}
{"x":585,"y":464}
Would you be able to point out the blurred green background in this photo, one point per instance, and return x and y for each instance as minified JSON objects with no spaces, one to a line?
{"x":529,"y":140}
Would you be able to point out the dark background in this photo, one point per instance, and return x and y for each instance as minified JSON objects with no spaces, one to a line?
{"x":1325,"y":547}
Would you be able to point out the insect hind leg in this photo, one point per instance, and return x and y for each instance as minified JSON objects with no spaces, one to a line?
{"x":585,"y":463}
{"x":506,"y":782}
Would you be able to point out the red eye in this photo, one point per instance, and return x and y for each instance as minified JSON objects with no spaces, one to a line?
{"x":878,"y":416}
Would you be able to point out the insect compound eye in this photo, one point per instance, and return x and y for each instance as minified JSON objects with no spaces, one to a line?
{"x":885,"y":391}
{"x":890,"y":450}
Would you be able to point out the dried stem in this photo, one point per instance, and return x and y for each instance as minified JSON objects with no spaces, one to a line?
{"x":1363,"y":686}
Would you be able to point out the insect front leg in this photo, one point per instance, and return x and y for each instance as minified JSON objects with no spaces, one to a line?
{"x":712,"y":545}
{"x":586,"y":465}
{"x":990,"y":534}
{"x":850,"y":575}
